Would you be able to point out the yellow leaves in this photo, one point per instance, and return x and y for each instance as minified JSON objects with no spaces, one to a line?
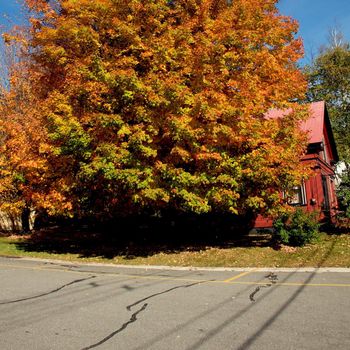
{"x":38,"y":5}
{"x":36,"y":23}
{"x":124,"y":131}
{"x":54,"y":202}
{"x":233,"y":210}
{"x":56,"y":55}
{"x":180,"y":155}
{"x":58,"y":105}
{"x":208,"y":156}
{"x":7,"y":38}
{"x":256,"y":203}
{"x":153,"y":195}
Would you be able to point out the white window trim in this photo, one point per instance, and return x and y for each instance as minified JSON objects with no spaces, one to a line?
{"x":301,"y":194}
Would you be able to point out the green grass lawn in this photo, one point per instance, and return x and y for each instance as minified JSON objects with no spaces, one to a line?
{"x":329,"y":251}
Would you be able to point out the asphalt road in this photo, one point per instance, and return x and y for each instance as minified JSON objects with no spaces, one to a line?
{"x":53,"y":305}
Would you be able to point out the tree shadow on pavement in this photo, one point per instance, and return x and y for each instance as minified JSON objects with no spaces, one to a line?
{"x":272,"y":318}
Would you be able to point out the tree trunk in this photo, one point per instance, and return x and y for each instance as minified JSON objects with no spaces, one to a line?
{"x":25,"y":220}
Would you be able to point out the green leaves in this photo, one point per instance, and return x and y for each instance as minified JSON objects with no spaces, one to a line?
{"x":329,"y":80}
{"x":70,"y":137}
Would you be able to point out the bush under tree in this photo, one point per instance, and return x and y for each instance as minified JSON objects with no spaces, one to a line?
{"x":297,"y":228}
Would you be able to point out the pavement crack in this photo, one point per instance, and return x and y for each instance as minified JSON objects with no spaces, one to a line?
{"x":160,"y":293}
{"x":46,"y":293}
{"x":132,"y":319}
{"x":272,"y":277}
{"x":251,"y":296}
{"x":69,"y":266}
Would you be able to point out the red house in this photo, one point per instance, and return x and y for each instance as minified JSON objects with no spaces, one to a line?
{"x":318,"y":191}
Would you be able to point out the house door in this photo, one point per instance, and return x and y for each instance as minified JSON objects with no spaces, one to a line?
{"x":326,"y":203}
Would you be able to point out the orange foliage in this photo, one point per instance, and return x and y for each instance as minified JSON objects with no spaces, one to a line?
{"x":140,"y":105}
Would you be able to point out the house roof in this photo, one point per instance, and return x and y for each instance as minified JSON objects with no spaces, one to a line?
{"x":314,"y":125}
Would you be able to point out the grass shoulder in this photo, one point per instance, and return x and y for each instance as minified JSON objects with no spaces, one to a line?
{"x":327,"y":251}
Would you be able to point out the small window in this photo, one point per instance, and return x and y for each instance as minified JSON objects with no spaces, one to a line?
{"x":298,"y":195}
{"x":325,"y":154}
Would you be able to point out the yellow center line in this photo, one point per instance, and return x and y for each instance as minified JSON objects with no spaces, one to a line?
{"x":230,"y":281}
{"x":239,"y":276}
{"x":295,"y":284}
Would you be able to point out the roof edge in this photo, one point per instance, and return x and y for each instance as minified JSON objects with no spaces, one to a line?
{"x":331,"y":134}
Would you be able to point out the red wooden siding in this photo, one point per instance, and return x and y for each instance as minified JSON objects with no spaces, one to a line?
{"x":321,"y":156}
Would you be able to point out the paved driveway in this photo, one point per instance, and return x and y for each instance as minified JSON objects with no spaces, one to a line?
{"x":53,"y":305}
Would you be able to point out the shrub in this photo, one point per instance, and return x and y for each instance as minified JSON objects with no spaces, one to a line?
{"x":297,"y":228}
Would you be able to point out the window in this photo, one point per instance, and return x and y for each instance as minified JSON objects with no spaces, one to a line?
{"x":325,"y":155}
{"x":326,"y":202}
{"x":298,"y":195}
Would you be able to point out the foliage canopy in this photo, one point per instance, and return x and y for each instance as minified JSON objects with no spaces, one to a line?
{"x":148,"y":105}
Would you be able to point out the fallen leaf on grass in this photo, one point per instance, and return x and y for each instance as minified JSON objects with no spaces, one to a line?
{"x":288,"y":249}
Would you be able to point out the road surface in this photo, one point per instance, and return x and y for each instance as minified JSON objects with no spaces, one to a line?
{"x":56,"y":305}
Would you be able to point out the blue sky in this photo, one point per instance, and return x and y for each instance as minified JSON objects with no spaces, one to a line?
{"x":315,"y":17}
{"x":10,"y":12}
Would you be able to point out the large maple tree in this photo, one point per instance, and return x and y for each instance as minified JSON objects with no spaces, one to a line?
{"x":149,"y":105}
